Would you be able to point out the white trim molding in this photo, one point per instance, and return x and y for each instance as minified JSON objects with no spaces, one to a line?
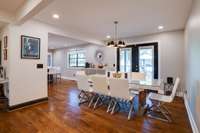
{"x":191,"y":118}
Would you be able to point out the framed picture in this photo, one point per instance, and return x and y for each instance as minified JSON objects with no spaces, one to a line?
{"x":5,"y":54}
{"x":5,"y":39}
{"x":30,"y":47}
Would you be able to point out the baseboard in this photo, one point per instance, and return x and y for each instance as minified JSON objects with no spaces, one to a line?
{"x":68,"y":78}
{"x":26,"y":104}
{"x":180,"y":94}
{"x":191,"y":118}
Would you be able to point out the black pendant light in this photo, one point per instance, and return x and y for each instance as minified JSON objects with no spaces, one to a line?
{"x":116,"y":42}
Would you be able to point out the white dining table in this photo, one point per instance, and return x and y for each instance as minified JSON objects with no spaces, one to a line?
{"x":153,"y":85}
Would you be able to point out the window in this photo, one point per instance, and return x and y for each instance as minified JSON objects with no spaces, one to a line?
{"x":125,"y":60}
{"x":76,"y":58}
{"x":146,"y":61}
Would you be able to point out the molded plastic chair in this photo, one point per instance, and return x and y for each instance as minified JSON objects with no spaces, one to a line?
{"x":137,"y":76}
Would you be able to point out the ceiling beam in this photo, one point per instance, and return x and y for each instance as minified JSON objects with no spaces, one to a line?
{"x":29,"y":9}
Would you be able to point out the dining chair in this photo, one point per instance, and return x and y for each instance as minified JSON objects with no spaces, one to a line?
{"x":100,"y":88}
{"x":136,"y":76}
{"x":84,"y":87}
{"x":158,"y":103}
{"x":119,"y":91}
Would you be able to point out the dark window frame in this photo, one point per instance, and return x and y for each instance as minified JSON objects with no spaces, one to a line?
{"x":76,"y":60}
{"x":135,"y":58}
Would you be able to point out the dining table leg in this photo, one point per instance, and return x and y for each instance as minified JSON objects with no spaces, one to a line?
{"x":141,"y":103}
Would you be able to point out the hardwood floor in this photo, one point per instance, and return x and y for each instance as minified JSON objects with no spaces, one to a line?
{"x":62,"y":114}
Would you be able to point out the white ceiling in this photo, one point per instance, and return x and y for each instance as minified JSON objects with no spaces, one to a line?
{"x":2,"y":24}
{"x":57,"y":41}
{"x":11,"y":6}
{"x":136,"y":17}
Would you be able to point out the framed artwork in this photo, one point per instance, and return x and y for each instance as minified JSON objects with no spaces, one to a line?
{"x":5,"y":54}
{"x":5,"y":39}
{"x":30,"y":47}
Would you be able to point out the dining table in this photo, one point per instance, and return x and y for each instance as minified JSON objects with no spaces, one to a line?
{"x":142,"y":87}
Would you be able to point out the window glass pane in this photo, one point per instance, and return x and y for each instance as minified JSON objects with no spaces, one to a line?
{"x":125,"y":60}
{"x":81,"y":55}
{"x":146,"y":61}
{"x":81,"y":62}
{"x":72,"y":62}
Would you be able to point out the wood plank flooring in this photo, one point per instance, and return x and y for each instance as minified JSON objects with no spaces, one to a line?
{"x":62,"y":114}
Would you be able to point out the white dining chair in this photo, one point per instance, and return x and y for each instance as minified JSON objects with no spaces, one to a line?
{"x":100,"y":88}
{"x":136,"y":76}
{"x":119,"y":91}
{"x":158,"y":103}
{"x":84,"y":87}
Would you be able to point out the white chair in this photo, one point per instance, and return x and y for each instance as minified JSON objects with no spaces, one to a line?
{"x":111,"y":74}
{"x":158,"y":102}
{"x":84,"y":87}
{"x":119,"y":91}
{"x":58,"y":73}
{"x":136,"y":76}
{"x":100,"y":87}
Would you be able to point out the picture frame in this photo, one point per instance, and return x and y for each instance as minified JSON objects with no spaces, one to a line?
{"x":30,"y":47}
{"x":5,"y":39}
{"x":5,"y":54}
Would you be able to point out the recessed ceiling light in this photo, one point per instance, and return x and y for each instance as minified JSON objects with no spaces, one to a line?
{"x":160,"y":27}
{"x":108,"y":36}
{"x":56,"y":16}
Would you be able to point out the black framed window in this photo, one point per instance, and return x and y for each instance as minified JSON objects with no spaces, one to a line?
{"x":76,"y":58}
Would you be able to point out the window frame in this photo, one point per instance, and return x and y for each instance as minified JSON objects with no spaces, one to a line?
{"x":77,"y":52}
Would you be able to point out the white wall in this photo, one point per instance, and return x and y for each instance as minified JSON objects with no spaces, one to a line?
{"x":4,"y":32}
{"x":171,"y":54}
{"x":192,"y":61}
{"x":60,"y":57}
{"x":26,"y":82}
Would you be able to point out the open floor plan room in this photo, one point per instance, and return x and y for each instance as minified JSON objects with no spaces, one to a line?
{"x":104,"y":66}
